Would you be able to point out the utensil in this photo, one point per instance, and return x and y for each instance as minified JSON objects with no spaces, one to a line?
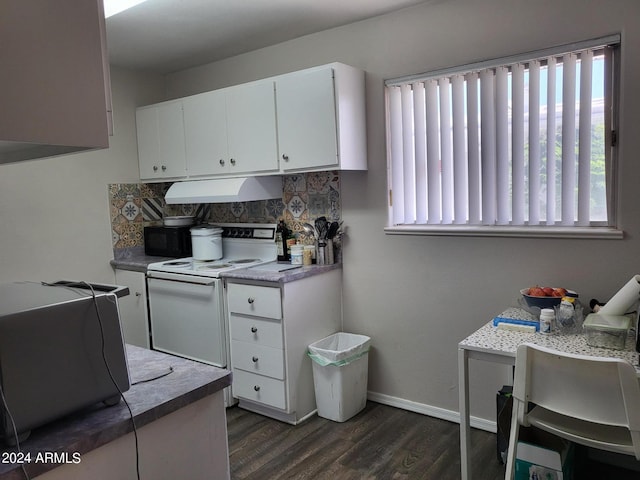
{"x":321,"y":227}
{"x":309,"y":229}
{"x":333,"y":229}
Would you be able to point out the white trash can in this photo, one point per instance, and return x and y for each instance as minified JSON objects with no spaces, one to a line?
{"x":340,"y":369}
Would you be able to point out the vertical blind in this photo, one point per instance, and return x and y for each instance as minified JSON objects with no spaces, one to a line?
{"x":509,"y":142}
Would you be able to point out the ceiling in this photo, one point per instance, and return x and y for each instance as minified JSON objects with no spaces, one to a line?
{"x":170,"y":35}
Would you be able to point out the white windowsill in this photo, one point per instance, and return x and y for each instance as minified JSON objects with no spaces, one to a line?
{"x":507,"y":231}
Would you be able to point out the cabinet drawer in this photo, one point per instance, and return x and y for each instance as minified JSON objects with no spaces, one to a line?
{"x":257,"y":331}
{"x":259,"y":389}
{"x":258,"y":359}
{"x":254,"y":300}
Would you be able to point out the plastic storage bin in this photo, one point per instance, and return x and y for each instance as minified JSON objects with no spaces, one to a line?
{"x":607,"y":331}
{"x":340,"y":370}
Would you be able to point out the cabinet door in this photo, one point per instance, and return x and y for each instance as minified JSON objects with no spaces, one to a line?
{"x":251,"y":127}
{"x":306,"y":114}
{"x":133,"y":308}
{"x":161,"y":147}
{"x":206,"y":134}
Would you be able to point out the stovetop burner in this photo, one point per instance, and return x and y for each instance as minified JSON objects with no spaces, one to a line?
{"x":215,"y":266}
{"x":244,"y":260}
{"x":178,"y":263}
{"x":255,"y":246}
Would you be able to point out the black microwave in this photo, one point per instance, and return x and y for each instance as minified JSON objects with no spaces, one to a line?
{"x":167,"y":241}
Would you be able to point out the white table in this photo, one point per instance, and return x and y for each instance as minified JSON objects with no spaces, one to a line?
{"x":499,"y":346}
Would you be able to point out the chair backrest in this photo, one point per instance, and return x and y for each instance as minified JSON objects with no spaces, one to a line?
{"x":600,"y":390}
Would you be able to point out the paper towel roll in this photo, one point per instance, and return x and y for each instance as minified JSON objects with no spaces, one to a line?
{"x":624,"y":299}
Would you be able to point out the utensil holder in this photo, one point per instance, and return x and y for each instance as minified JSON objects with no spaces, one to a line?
{"x":329,"y":252}
{"x":325,"y":252}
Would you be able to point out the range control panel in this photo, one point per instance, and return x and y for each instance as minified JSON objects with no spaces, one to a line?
{"x":265,"y":232}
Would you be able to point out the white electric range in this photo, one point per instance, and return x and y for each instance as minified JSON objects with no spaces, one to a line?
{"x":186,"y":298}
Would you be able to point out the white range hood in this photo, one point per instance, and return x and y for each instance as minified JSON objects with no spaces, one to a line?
{"x":224,"y":190}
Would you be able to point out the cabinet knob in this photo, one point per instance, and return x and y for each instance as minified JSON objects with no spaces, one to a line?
{"x":221,"y":162}
{"x":285,"y":157}
{"x":254,"y":329}
{"x":155,"y":168}
{"x":164,"y":168}
{"x":251,"y":300}
{"x":138,"y":294}
{"x":233,"y":161}
{"x":254,"y":359}
{"x":256,"y":388}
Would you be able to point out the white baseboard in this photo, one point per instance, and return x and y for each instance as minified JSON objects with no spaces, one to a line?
{"x":436,"y":412}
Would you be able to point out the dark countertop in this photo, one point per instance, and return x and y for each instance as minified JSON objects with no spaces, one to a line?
{"x":97,"y":425}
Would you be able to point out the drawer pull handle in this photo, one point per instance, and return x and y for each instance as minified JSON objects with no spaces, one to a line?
{"x":254,"y":359}
{"x":251,"y":300}
{"x":256,"y":388}
{"x":254,"y":329}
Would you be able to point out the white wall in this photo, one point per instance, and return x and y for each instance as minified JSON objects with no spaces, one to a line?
{"x":417,"y":297}
{"x":54,"y":212}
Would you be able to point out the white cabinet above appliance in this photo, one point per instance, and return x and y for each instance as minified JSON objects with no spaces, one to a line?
{"x":231,"y":131}
{"x":313,"y":121}
{"x":161,"y":145}
{"x":321,"y":119}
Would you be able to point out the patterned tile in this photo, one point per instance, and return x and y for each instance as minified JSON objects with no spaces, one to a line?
{"x":296,"y":206}
{"x":305,"y":197}
{"x":152,"y":209}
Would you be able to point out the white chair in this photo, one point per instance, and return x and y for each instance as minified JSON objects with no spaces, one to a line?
{"x":587,"y":400}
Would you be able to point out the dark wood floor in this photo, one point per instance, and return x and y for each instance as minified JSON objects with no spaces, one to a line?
{"x":381,"y":442}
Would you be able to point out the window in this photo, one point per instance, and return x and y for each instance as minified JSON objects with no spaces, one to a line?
{"x":522,"y":145}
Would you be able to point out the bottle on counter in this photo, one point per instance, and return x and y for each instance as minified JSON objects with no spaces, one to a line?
{"x":309,"y":254}
{"x":297,"y":252}
{"x":290,"y":242}
{"x":547,"y":317}
{"x":281,"y":241}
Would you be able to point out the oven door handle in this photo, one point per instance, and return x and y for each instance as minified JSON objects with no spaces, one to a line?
{"x":182,"y":278}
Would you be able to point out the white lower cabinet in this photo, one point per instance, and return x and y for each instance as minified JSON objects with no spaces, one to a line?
{"x":134,"y":316}
{"x":271,"y":326}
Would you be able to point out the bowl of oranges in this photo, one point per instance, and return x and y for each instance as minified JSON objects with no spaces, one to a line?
{"x":545,"y":297}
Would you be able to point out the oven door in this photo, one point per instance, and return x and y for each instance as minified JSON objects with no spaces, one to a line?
{"x":186,"y":317}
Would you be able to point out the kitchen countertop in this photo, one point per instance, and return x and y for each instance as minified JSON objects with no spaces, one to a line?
{"x":149,"y":400}
{"x":134,"y":259}
{"x":279,"y":277}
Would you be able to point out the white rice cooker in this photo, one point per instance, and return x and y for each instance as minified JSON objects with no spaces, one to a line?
{"x":206,"y":242}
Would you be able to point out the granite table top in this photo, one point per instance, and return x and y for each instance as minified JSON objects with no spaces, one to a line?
{"x":161,"y":384}
{"x":489,"y":339}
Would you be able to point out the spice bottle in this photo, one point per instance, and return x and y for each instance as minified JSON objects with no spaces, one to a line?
{"x":281,"y":241}
{"x":547,"y":317}
{"x":297,"y":252}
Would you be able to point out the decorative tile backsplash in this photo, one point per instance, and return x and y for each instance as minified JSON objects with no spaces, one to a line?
{"x":305,"y":197}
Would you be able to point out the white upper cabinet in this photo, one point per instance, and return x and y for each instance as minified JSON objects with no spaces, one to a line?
{"x":206,"y":133}
{"x":231,"y":131}
{"x":161,"y":143}
{"x":321,"y":119}
{"x":310,"y":120}
{"x":251,"y":128}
